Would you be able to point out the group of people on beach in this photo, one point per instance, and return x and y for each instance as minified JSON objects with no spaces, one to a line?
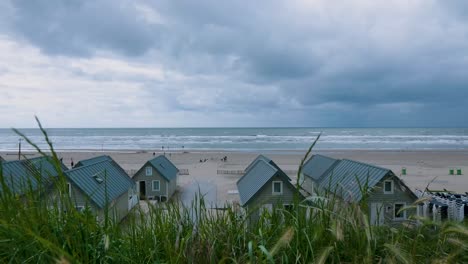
{"x":224,"y":159}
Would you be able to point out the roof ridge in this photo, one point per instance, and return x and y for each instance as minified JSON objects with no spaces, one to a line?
{"x":366,"y":164}
{"x":5,"y":162}
{"x":258,"y":165}
{"x":330,"y":169}
{"x":40,"y":157}
{"x":85,"y":166}
{"x":261,"y":155}
{"x":319,"y":155}
{"x":121,"y":169}
{"x":158,"y":157}
{"x":95,"y":157}
{"x":32,"y":160}
{"x":253,"y":165}
{"x":163,"y":166}
{"x":333,"y":163}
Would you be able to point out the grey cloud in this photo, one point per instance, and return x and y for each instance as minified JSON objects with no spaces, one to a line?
{"x":78,"y":28}
{"x":455,"y":7}
{"x":326,"y":68}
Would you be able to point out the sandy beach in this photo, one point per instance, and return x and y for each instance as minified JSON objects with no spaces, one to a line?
{"x":423,"y":167}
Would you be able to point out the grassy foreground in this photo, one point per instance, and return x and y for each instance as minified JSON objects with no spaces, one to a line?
{"x":329,"y":231}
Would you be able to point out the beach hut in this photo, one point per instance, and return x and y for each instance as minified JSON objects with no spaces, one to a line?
{"x":440,"y":206}
{"x":157,"y":179}
{"x":383,"y":192}
{"x":263,"y":186}
{"x":22,"y":176}
{"x":100,"y":184}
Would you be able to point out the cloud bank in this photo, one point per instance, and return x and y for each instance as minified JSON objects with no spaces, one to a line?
{"x":213,"y":63}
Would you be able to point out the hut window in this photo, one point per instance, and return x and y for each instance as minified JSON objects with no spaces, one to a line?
{"x":388,"y":187}
{"x":156,"y":186}
{"x":397,"y":214}
{"x":98,"y":179}
{"x":149,"y":171}
{"x":277,"y":187}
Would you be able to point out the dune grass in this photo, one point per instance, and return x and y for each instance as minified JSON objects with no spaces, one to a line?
{"x":326,"y":231}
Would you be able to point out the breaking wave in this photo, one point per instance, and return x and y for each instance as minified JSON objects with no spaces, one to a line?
{"x":239,"y":139}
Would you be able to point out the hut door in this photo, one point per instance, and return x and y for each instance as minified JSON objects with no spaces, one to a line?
{"x":377,"y":214}
{"x":142,"y":189}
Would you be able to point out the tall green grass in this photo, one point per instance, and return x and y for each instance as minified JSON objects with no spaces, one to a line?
{"x":325,"y":231}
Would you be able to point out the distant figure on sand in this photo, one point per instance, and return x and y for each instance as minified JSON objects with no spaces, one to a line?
{"x":154,"y":153}
{"x":72,"y":163}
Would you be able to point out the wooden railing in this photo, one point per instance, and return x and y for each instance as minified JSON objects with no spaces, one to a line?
{"x":184,"y":172}
{"x":131,"y":173}
{"x":241,"y":172}
{"x":236,"y":172}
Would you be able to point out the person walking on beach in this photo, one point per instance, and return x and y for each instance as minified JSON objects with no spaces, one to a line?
{"x":72,"y":163}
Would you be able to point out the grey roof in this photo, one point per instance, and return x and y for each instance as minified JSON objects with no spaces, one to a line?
{"x":259,"y":157}
{"x":348,"y":176}
{"x":112,"y":176}
{"x":22,"y":175}
{"x":164,"y":167}
{"x":317,"y":166}
{"x":257,"y":174}
{"x":2,"y":159}
{"x":44,"y":165}
{"x":92,"y":161}
{"x":17,"y":178}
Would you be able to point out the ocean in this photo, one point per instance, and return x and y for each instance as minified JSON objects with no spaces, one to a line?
{"x":240,"y":139}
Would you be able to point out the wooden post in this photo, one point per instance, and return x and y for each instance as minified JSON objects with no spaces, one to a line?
{"x":19,"y":149}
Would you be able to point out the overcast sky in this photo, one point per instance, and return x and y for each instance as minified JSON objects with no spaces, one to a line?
{"x":127,"y":63}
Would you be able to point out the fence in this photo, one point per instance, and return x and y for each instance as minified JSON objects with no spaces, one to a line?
{"x":236,"y":172}
{"x":184,"y":172}
{"x":241,"y":172}
{"x":131,"y":173}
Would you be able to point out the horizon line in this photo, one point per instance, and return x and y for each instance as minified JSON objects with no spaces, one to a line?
{"x":240,"y":127}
